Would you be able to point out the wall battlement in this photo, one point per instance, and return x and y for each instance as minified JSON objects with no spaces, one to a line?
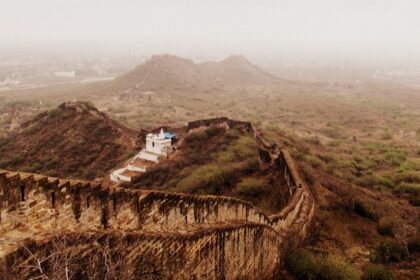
{"x":42,"y":208}
{"x":224,"y":121}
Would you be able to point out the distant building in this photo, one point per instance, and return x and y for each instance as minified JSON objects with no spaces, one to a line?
{"x":157,"y":146}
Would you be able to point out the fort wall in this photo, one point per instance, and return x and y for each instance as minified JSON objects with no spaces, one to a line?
{"x":178,"y":235}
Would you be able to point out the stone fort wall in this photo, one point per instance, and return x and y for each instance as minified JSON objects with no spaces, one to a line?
{"x":158,"y":234}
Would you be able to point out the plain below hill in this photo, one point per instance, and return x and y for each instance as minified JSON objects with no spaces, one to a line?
{"x":74,"y":140}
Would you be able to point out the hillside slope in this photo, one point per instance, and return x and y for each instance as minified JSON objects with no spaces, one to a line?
{"x":74,"y":140}
{"x":168,"y":72}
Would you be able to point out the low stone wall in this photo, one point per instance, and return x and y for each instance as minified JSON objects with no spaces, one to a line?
{"x":38,"y":207}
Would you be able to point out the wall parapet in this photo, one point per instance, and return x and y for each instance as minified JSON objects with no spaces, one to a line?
{"x":33,"y":204}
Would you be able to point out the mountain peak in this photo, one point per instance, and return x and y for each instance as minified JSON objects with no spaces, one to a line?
{"x":172,"y":73}
{"x":236,"y":59}
{"x":79,"y":106}
{"x":168,"y":58}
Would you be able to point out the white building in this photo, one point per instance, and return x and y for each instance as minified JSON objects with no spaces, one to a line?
{"x":157,"y":146}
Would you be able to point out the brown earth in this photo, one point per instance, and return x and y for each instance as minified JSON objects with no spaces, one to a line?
{"x":74,"y":140}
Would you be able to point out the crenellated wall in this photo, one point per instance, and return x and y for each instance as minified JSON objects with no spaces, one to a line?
{"x":223,"y":121}
{"x":235,"y":251}
{"x":221,"y":237}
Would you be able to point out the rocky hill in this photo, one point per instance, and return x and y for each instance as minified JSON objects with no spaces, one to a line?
{"x":169,"y":72}
{"x":74,"y":140}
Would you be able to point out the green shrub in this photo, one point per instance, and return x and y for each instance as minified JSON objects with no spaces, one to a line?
{"x":415,"y":201}
{"x":207,"y":179}
{"x":362,"y":210}
{"x":332,"y":132}
{"x":298,"y":155}
{"x":389,"y":251}
{"x":15,"y":160}
{"x":315,"y":162}
{"x":386,"y":135}
{"x":375,"y":180}
{"x":386,"y":228}
{"x":407,"y":176}
{"x":33,"y":168}
{"x":241,"y":149}
{"x":304,"y":265}
{"x":409,"y":188}
{"x":413,"y":244}
{"x":410,"y":165}
{"x":395,"y":158}
{"x":377,"y":273}
{"x":196,"y":136}
{"x":250,"y":187}
{"x":214,"y":130}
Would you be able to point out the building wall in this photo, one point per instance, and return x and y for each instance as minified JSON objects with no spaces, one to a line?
{"x":157,"y":146}
{"x":148,"y":156}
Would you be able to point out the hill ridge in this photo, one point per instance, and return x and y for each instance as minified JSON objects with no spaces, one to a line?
{"x":170,"y":72}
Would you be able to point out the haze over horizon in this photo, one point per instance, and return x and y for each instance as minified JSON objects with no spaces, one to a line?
{"x":338,"y":30}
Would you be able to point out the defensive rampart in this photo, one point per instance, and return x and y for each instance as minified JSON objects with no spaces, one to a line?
{"x":166,"y":235}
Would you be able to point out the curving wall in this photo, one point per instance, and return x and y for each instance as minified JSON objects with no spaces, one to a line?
{"x":159,"y":235}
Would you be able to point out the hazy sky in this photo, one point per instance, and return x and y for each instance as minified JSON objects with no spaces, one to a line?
{"x":365,"y":28}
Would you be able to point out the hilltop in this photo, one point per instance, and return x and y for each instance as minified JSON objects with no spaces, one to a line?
{"x":74,"y":140}
{"x":169,"y":72}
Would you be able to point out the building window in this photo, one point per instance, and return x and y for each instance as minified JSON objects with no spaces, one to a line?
{"x":153,"y":144}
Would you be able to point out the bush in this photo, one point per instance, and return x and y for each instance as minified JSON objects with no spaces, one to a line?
{"x":407,"y":176}
{"x":250,"y":187}
{"x":413,"y":244}
{"x":241,"y":149}
{"x":298,"y":155}
{"x":386,"y":228}
{"x":15,"y":160}
{"x":304,"y":265}
{"x":377,"y":273}
{"x":395,"y":158}
{"x":207,"y":179}
{"x":386,"y":135}
{"x":214,"y":130}
{"x":409,"y":188}
{"x":415,"y":201}
{"x":375,"y":180}
{"x":315,"y":162}
{"x":362,"y":210}
{"x":33,"y":168}
{"x":409,"y":165}
{"x":389,"y":251}
{"x":196,"y":136}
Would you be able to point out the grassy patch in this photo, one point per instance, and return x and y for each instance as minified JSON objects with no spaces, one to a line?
{"x":389,"y":251}
{"x":364,"y":211}
{"x":377,"y":273}
{"x":236,"y":159}
{"x":304,"y":265}
{"x":251,"y":187}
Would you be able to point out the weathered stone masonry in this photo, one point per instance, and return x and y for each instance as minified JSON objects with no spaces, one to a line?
{"x":169,"y":235}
